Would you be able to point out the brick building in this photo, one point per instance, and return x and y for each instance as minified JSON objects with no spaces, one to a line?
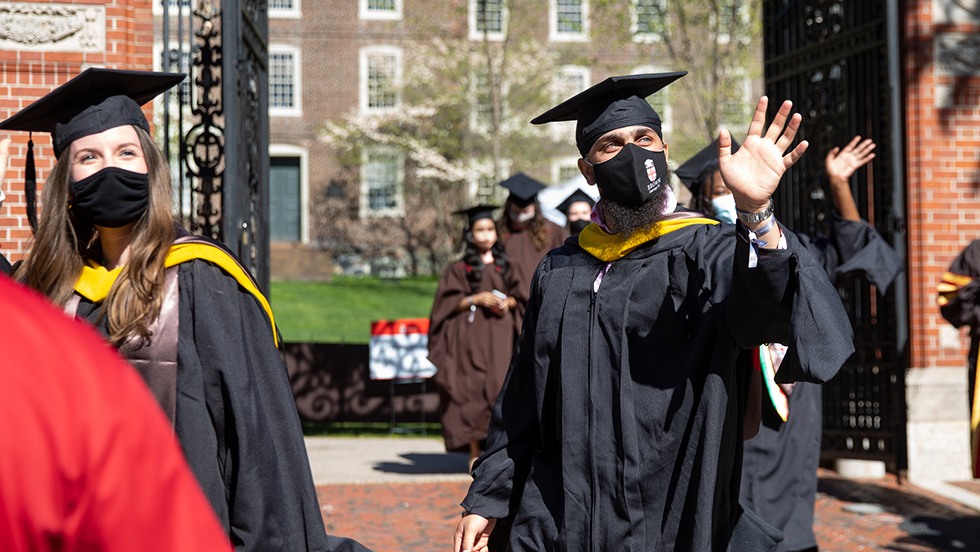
{"x":44,"y":44}
{"x":942,"y":137}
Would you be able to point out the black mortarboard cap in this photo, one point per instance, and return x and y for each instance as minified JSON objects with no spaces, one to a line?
{"x":613,"y":103}
{"x":95,"y":100}
{"x":476,"y":213}
{"x":693,"y":171}
{"x":523,"y":189}
{"x":575,"y":197}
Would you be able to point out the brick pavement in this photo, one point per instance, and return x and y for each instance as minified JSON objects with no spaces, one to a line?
{"x":850,"y":516}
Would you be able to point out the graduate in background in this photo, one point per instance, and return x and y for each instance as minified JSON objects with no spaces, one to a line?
{"x":179,"y":308}
{"x":577,"y":208}
{"x":89,"y":461}
{"x":620,"y":424}
{"x":523,"y":231}
{"x":474,"y":323}
{"x":779,"y":466}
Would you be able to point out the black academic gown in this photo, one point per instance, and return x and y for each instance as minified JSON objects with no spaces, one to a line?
{"x":236,"y":418}
{"x":779,"y":467}
{"x":620,"y":424}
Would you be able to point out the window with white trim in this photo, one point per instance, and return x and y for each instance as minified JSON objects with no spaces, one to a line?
{"x":732,"y":14}
{"x":650,"y":20}
{"x":382,"y":182}
{"x":284,"y":9}
{"x":284,"y":81}
{"x":569,"y":20}
{"x":487,"y":19}
{"x":381,"y":73}
{"x":660,"y":101}
{"x":380,"y":9}
{"x":564,"y":169}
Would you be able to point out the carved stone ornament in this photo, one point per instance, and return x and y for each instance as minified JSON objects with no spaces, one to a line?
{"x":955,"y":11}
{"x":52,"y":27}
{"x":957,"y":54}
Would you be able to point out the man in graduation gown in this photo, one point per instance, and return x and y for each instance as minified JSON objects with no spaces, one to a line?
{"x":621,"y":421}
{"x":89,"y":462}
{"x":779,"y":469}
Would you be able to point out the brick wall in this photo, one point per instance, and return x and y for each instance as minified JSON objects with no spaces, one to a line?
{"x":29,"y":70}
{"x":942,"y":118}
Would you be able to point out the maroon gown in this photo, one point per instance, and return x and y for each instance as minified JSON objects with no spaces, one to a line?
{"x":524,"y":256}
{"x":471,"y":353}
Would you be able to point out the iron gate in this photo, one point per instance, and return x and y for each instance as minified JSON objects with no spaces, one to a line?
{"x":219,"y":121}
{"x":838,"y":61}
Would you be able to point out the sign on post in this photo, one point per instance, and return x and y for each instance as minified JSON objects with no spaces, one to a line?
{"x":399,"y":349}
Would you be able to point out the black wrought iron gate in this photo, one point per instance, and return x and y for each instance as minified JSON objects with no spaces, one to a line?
{"x":218,"y":121}
{"x":838,"y":61}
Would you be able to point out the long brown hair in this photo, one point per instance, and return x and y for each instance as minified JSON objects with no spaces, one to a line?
{"x":63,"y":244}
{"x":538,"y":227}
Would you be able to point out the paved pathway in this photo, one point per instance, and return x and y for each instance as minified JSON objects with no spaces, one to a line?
{"x":402,"y":494}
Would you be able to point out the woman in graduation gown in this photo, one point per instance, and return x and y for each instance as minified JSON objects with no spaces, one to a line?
{"x":474,"y":323}
{"x":181,"y":309}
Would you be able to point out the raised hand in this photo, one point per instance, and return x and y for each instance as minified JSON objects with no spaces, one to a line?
{"x":753,"y":173}
{"x":840,"y":164}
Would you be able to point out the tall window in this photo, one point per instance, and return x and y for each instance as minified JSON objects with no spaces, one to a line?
{"x":569,"y":20}
{"x":487,"y":19}
{"x":284,"y":8}
{"x":380,"y":9}
{"x":568,"y":81}
{"x":382,"y":179}
{"x":284,"y":81}
{"x":733,"y":15}
{"x":660,"y":101}
{"x":481,"y":114}
{"x":564,"y":169}
{"x":381,"y":72}
{"x":650,"y":20}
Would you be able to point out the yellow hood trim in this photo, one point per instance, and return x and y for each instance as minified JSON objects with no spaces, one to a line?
{"x":611,"y":247}
{"x":95,"y":281}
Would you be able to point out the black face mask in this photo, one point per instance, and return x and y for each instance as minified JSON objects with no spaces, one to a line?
{"x":633,"y":176}
{"x":576,"y":226}
{"x":111,"y":198}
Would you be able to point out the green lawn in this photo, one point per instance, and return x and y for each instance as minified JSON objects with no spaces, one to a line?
{"x":341,"y":311}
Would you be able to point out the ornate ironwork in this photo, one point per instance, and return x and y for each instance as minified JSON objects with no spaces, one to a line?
{"x":832,"y":58}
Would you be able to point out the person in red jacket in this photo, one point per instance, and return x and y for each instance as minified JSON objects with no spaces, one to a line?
{"x":88,"y":461}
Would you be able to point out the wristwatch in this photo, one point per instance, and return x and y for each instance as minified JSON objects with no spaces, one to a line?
{"x":757,"y":217}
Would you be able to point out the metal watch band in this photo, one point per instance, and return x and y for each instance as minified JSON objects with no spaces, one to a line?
{"x":754,"y":218}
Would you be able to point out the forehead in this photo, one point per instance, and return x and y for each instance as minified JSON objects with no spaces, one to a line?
{"x":119,"y":134}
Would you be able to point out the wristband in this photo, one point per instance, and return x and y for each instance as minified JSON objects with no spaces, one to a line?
{"x":757,"y":217}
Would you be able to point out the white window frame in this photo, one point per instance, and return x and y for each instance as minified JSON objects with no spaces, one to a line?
{"x":476,"y":34}
{"x":288,"y":150}
{"x":555,"y":36}
{"x":295,"y":12}
{"x":366,"y":14}
{"x":297,"y":109}
{"x":365,"y":55}
{"x":634,"y":25}
{"x":743,"y":13}
{"x":398,"y":210}
{"x":746,"y":102}
{"x":558,"y":163}
{"x":667,"y":113}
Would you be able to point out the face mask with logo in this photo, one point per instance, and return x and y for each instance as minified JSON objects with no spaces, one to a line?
{"x":111,"y":198}
{"x":633,"y":176}
{"x":724,"y":208}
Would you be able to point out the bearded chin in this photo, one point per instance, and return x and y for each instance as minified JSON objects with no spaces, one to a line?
{"x":625,"y":220}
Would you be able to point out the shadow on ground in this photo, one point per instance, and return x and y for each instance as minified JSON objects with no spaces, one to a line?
{"x":926,"y":521}
{"x":427,"y":464}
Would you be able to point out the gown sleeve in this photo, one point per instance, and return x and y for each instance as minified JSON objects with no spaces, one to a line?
{"x":443,"y":332}
{"x":261,"y":484}
{"x":959,"y":291}
{"x":787,"y":298}
{"x":863,"y":252}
